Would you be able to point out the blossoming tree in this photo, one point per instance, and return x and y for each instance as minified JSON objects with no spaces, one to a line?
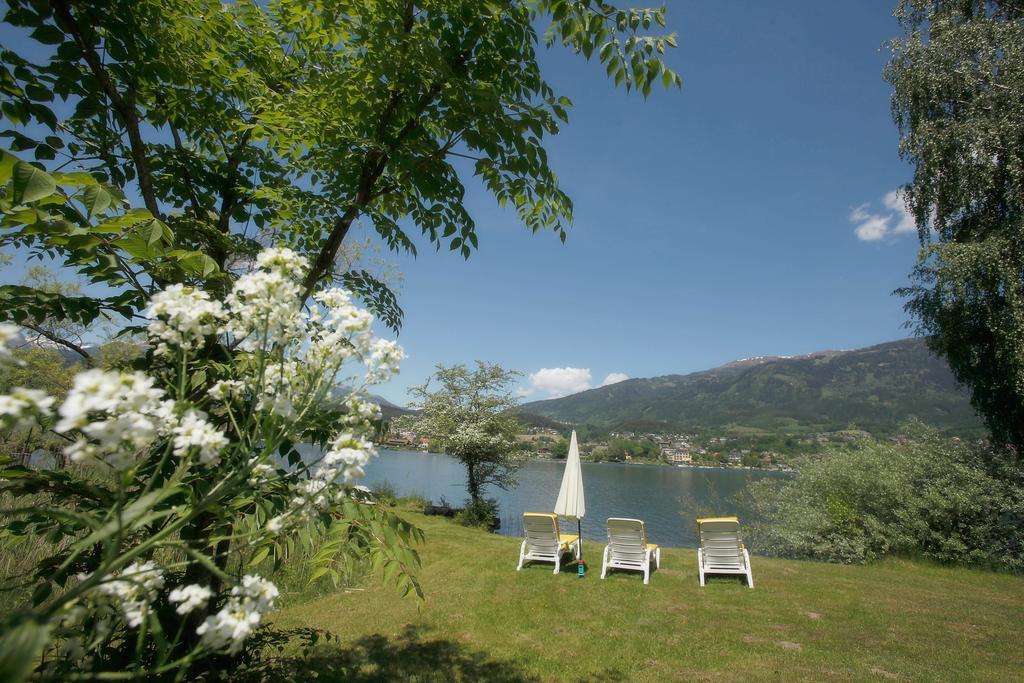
{"x":469,"y":414}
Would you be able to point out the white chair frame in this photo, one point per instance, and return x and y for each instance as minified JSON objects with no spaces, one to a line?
{"x":721,"y":550}
{"x":628,"y":548}
{"x":542,"y":545}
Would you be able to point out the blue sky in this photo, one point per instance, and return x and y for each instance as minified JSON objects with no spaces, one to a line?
{"x":751,"y":213}
{"x":713,"y":223}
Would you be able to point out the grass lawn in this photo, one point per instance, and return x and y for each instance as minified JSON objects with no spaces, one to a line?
{"x":482,"y":620}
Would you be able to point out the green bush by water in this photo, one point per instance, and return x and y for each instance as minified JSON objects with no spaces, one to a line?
{"x":923,"y":495}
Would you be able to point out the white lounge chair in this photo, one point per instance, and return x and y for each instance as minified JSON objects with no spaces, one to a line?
{"x":721,"y":550}
{"x":543,"y":542}
{"x":628,"y":548}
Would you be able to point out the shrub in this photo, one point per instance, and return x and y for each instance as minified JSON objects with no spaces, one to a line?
{"x":385,"y":494}
{"x":413,"y":502}
{"x":482,"y":513}
{"x":925,"y":495}
{"x":150,"y":571}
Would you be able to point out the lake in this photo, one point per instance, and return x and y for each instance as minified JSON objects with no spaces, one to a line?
{"x":666,"y":498}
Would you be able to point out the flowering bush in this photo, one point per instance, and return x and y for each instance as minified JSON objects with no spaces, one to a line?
{"x":203,"y":481}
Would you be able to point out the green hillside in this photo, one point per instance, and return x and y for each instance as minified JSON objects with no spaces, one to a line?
{"x":875,"y":389}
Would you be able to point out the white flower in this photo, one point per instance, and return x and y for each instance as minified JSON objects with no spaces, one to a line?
{"x":240,"y":616}
{"x":119,"y":414}
{"x":24,"y":408}
{"x":257,"y":590}
{"x":8,"y":333}
{"x":229,"y":628}
{"x":385,"y":357}
{"x":342,"y":463}
{"x":194,"y":431}
{"x":274,"y":524}
{"x":191,"y":597}
{"x":260,"y":473}
{"x":132,"y":590}
{"x":358,"y":413}
{"x":282,"y":260}
{"x":182,"y":318}
{"x":225,"y":389}
{"x":283,"y":384}
{"x":265,"y":311}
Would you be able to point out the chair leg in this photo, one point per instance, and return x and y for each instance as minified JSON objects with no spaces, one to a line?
{"x":700,"y":566}
{"x":522,"y":552}
{"x":750,"y":572}
{"x":558,"y":562}
{"x":647,"y":570}
{"x":604,"y":563}
{"x":657,"y":558}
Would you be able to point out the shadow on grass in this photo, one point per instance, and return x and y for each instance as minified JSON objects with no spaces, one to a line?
{"x":408,"y":657}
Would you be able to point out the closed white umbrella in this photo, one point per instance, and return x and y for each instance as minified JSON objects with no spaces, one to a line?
{"x":570,"y":501}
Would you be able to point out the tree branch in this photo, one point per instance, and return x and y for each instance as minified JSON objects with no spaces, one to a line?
{"x":124,"y":105}
{"x":57,"y":340}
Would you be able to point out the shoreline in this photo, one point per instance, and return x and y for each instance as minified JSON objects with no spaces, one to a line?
{"x":608,"y":462}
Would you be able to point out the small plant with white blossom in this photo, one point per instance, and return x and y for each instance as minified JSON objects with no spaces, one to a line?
{"x":204,"y":477}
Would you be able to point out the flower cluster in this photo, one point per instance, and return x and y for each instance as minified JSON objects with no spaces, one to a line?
{"x":24,"y":408}
{"x":359,"y":412}
{"x":385,"y":357}
{"x":132,"y":590}
{"x":193,"y":431}
{"x":229,"y":628}
{"x":189,"y":598}
{"x":283,"y":385}
{"x":119,"y":414}
{"x":264,"y":304}
{"x":182,"y":318}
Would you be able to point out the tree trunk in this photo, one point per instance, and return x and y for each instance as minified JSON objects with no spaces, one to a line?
{"x":472,"y":484}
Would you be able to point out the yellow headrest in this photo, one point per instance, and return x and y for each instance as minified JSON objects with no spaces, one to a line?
{"x":718,"y":519}
{"x":552,"y":515}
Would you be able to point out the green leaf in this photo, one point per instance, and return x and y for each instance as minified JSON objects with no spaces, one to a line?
{"x":20,"y":648}
{"x":97,"y":199}
{"x":7,"y":162}
{"x":48,"y":34}
{"x":124,"y":220}
{"x":38,"y":93}
{"x":77,"y":179}
{"x":152,"y":232}
{"x":31,"y":183}
{"x":197,"y":263}
{"x":260,"y":555}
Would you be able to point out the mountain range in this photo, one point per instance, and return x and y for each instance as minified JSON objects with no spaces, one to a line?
{"x":873,"y":389}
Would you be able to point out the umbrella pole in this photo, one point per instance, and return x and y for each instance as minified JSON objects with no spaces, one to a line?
{"x":579,"y":534}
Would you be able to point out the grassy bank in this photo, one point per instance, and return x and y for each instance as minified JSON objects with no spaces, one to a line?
{"x":481,"y":619}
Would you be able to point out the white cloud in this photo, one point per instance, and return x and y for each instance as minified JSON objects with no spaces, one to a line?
{"x":614,"y":378}
{"x":561,"y":381}
{"x":894,"y":220}
{"x":871,"y":227}
{"x":896,"y":201}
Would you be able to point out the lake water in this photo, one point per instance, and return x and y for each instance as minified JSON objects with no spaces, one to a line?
{"x":667,"y":498}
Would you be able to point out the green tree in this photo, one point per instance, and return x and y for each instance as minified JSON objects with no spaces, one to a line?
{"x":37,"y":367}
{"x":470,"y":417}
{"x":958,"y":99}
{"x":240,"y":123}
{"x":560,"y":449}
{"x":637,"y":449}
